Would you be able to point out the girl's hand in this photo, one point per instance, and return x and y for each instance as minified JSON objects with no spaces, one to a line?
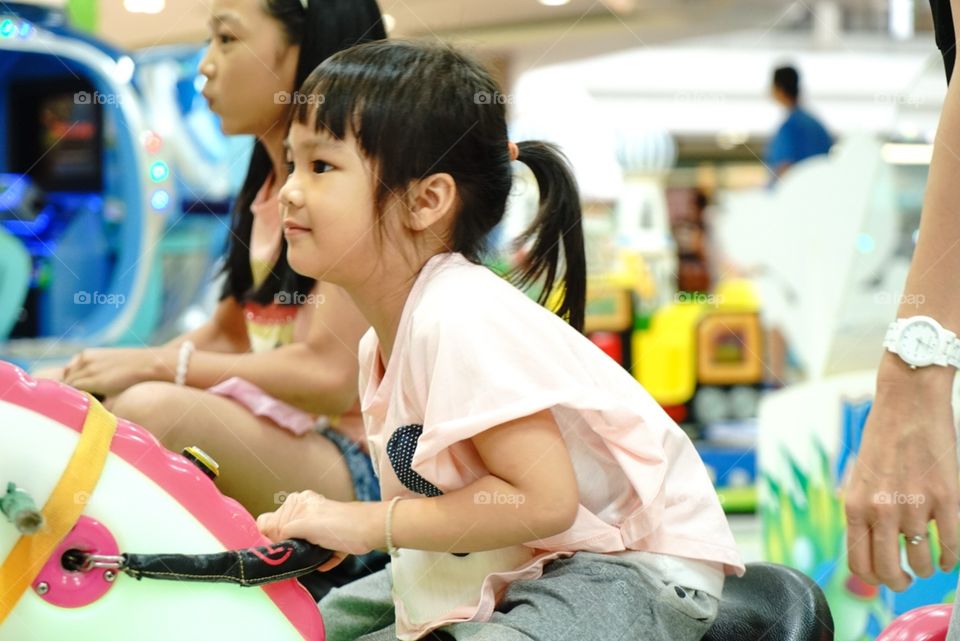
{"x":905,"y":476}
{"x":346,"y":528}
{"x":110,"y":371}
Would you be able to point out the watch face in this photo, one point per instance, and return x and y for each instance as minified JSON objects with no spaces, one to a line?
{"x":919,"y":343}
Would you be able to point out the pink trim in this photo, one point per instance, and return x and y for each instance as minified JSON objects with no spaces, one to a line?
{"x":232,"y":525}
{"x":76,"y":589}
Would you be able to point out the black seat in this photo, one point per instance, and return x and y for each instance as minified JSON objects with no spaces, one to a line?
{"x":772,"y":603}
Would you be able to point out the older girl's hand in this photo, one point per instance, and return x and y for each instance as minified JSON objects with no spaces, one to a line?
{"x":109,"y":371}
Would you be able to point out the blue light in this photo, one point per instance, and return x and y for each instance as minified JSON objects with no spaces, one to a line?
{"x":866,"y":244}
{"x":25,"y":29}
{"x":160,"y":199}
{"x":159,"y":171}
{"x":7,"y":28}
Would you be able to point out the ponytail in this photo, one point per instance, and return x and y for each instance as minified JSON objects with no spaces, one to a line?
{"x":558,"y":221}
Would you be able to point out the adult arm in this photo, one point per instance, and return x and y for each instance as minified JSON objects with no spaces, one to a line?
{"x":906,"y":472}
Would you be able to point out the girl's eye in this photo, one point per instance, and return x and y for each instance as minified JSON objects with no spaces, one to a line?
{"x":320,"y":167}
{"x":290,"y":167}
{"x":225,"y":38}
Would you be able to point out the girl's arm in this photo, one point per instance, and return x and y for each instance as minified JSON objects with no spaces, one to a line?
{"x":318,"y":375}
{"x":531,"y":493}
{"x":225,"y":331}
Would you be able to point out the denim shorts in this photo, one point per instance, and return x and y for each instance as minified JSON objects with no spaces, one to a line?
{"x":366,"y":486}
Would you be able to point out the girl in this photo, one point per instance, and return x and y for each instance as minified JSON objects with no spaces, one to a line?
{"x":280,"y":348}
{"x":532,"y":489}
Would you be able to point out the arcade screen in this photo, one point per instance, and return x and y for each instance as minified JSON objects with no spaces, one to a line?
{"x":56,"y":134}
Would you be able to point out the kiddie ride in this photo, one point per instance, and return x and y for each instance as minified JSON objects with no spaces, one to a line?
{"x":133,"y":541}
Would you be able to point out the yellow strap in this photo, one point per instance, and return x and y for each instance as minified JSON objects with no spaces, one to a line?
{"x":62,"y":510}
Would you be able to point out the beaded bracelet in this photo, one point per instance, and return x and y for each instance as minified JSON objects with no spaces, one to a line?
{"x":183,"y":362}
{"x":392,"y":551}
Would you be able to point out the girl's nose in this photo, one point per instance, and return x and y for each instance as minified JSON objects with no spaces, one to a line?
{"x":206,"y":67}
{"x":291,"y":196}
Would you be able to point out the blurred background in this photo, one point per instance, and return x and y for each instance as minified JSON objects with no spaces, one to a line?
{"x":752,"y":174}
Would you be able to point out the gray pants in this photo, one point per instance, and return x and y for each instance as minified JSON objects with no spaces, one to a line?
{"x":587,"y":597}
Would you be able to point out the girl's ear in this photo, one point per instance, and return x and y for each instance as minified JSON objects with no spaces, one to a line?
{"x":430,"y":200}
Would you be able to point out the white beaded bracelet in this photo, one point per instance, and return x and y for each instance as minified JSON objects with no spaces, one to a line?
{"x":392,"y":551}
{"x":183,"y":362}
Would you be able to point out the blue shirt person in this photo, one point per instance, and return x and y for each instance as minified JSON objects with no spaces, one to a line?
{"x":801,"y":135}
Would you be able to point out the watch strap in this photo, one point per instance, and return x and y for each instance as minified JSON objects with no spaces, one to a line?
{"x":953,"y":352}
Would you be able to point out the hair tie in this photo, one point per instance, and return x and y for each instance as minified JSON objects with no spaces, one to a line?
{"x":514,"y":150}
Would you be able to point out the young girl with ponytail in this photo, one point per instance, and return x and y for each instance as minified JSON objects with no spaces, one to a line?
{"x":531,"y":488}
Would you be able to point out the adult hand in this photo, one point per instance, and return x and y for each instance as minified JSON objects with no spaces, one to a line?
{"x":109,"y":371}
{"x":905,"y":476}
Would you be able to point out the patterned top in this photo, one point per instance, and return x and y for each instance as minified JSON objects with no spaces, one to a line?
{"x":273,"y":325}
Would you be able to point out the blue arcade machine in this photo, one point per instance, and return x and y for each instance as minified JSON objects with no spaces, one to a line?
{"x":84,"y":186}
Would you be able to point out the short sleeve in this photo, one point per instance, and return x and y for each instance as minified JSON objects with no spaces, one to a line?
{"x":366,"y":356}
{"x":484,"y":367}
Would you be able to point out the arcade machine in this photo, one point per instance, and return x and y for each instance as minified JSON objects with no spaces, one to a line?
{"x":84,"y":185}
{"x":208,"y":169}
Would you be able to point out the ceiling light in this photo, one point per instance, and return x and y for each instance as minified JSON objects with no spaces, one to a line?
{"x":554,"y":3}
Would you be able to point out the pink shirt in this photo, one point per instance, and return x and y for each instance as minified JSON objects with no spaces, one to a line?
{"x":472,"y":352}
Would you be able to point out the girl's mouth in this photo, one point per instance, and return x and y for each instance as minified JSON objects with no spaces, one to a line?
{"x":291,"y":228}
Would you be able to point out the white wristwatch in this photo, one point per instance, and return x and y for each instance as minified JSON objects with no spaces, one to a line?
{"x":921,"y":341}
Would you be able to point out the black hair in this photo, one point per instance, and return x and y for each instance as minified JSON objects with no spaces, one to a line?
{"x":322,"y":29}
{"x":787,"y":80}
{"x":420,"y":109}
